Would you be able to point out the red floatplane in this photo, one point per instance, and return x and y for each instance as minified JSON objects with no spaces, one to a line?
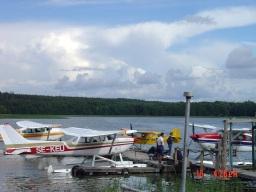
{"x":241,"y":137}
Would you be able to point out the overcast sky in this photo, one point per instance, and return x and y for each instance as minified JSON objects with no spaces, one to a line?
{"x":143,"y":49}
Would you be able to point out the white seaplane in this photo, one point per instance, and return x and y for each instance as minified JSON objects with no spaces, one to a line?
{"x":83,"y":142}
{"x":241,"y":137}
{"x":39,"y":131}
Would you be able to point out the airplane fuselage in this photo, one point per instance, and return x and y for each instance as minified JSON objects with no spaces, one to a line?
{"x":208,"y":141}
{"x":62,"y":148}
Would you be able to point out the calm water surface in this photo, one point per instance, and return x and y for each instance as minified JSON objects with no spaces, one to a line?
{"x":19,"y":173}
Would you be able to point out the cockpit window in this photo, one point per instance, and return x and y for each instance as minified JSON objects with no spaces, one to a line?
{"x":27,"y":131}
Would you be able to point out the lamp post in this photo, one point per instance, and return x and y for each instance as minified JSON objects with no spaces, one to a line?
{"x":188,"y":96}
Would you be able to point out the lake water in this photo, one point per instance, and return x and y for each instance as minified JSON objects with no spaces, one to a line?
{"x":18,"y":173}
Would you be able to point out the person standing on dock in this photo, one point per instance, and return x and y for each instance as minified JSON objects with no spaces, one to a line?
{"x":169,"y":142}
{"x":160,"y":147}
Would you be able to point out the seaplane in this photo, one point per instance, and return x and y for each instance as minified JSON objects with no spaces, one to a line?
{"x":241,"y":137}
{"x":39,"y":131}
{"x":150,"y":137}
{"x":81,"y":142}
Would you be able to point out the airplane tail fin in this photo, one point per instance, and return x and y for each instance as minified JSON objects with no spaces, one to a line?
{"x":10,"y":136}
{"x":176,"y":135}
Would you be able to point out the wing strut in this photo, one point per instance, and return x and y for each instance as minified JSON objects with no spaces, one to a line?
{"x":112,"y":144}
{"x":48,"y":135}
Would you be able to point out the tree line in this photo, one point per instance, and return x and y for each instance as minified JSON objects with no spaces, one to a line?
{"x":11,"y":103}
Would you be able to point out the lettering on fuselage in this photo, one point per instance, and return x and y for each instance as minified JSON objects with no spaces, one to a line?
{"x":50,"y":149}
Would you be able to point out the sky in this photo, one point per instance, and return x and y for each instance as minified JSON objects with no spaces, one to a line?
{"x":140,"y":49}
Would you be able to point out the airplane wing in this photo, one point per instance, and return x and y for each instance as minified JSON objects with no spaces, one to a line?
{"x":81,"y":132}
{"x":204,"y":126}
{"x":242,"y":129}
{"x":35,"y":125}
{"x":239,"y":130}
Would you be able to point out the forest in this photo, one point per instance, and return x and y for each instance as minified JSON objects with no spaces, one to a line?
{"x":11,"y":103}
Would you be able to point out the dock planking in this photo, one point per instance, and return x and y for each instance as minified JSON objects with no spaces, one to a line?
{"x":83,"y":170}
{"x":246,"y":174}
{"x":142,"y":157}
{"x":242,"y":173}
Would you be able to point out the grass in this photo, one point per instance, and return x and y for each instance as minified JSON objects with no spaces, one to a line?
{"x":30,"y":116}
{"x":192,"y":186}
{"x":215,"y":185}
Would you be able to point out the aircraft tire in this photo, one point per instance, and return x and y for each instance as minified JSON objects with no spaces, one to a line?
{"x":77,"y":171}
{"x":125,"y":171}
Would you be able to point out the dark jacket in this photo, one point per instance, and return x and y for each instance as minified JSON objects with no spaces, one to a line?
{"x":169,"y":140}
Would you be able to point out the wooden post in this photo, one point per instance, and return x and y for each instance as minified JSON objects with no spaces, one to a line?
{"x":202,"y":160}
{"x":175,"y":157}
{"x":218,"y":155}
{"x":230,"y":154}
{"x":225,"y":139}
{"x":224,"y":146}
{"x":253,"y":146}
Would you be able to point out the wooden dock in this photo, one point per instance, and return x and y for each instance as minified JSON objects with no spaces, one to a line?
{"x":153,"y":166}
{"x":142,"y":157}
{"x":247,"y":174}
{"x":242,"y":173}
{"x":81,"y":171}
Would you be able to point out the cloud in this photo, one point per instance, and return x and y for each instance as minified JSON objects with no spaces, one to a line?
{"x":109,"y":78}
{"x":201,"y":20}
{"x":84,"y":69}
{"x":241,"y":62}
{"x":137,"y":60}
{"x":230,"y":16}
{"x":229,"y":76}
{"x":205,"y":83}
{"x":118,"y":78}
{"x":147,"y":78}
{"x":241,"y":57}
{"x":166,"y":34}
